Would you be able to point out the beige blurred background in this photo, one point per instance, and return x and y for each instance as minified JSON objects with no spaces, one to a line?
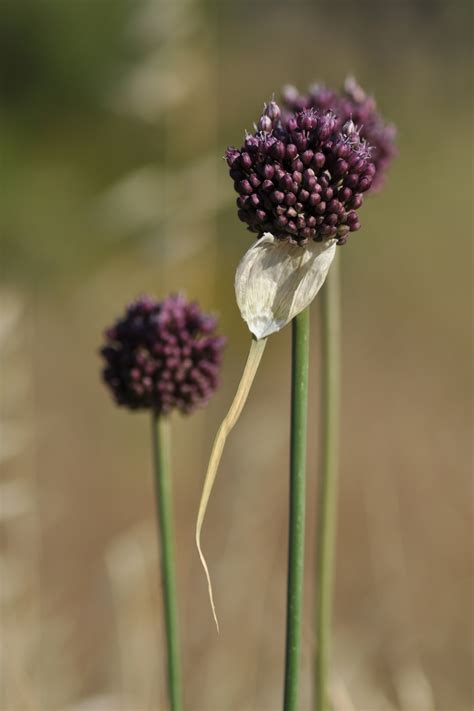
{"x":115,"y":115}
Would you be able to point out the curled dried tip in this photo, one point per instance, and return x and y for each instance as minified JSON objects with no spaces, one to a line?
{"x":229,"y":421}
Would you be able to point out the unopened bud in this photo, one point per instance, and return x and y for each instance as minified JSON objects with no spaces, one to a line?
{"x":273,"y":111}
{"x":265,"y":124}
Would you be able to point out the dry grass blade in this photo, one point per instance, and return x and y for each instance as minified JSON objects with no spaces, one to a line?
{"x":251,"y":367}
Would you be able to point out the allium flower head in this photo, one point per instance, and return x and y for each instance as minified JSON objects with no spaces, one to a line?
{"x":301,"y":176}
{"x":351,"y":103}
{"x":162,"y":355}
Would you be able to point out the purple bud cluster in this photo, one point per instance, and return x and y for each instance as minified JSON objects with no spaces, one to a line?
{"x":351,"y":103}
{"x":301,"y":176}
{"x":162,"y":356}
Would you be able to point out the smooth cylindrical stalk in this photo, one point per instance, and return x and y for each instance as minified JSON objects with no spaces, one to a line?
{"x":299,"y":403}
{"x":326,"y":529}
{"x":164,"y":504}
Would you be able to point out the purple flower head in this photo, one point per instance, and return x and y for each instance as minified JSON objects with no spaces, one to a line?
{"x":162,"y":355}
{"x":351,"y":103}
{"x":301,"y":176}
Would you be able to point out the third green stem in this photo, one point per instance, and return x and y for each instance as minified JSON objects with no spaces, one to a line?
{"x":326,"y":540}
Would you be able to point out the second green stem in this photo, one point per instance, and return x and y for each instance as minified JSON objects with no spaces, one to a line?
{"x":164,"y":504}
{"x":299,"y":404}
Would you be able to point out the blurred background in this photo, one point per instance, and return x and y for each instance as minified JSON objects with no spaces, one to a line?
{"x":115,"y":116}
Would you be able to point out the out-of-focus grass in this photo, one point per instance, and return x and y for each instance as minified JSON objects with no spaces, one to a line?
{"x":109,"y":192}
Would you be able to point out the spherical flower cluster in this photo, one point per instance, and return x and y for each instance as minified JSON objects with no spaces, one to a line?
{"x":301,"y":176}
{"x":351,"y":103}
{"x":162,"y":355}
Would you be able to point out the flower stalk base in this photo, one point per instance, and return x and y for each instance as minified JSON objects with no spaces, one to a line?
{"x":160,"y":439}
{"x":299,"y":404}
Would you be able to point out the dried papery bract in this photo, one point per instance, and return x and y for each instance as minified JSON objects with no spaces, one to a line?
{"x":276,"y":280}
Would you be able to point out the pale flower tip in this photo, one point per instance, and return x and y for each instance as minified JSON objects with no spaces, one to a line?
{"x":276,"y":280}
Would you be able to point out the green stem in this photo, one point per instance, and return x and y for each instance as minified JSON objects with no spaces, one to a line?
{"x":299,"y":402}
{"x":326,"y":542}
{"x":160,"y":439}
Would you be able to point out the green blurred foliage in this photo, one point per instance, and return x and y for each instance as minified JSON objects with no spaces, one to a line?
{"x":61,"y":55}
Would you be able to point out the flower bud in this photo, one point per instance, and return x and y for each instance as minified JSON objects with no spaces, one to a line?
{"x":273,"y":111}
{"x":246,"y":161}
{"x":349,"y":128}
{"x":265,"y":124}
{"x":268,"y":171}
{"x":278,"y":150}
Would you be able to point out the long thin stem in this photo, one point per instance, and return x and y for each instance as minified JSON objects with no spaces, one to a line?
{"x":326,"y":542}
{"x":160,"y":439}
{"x":299,"y":403}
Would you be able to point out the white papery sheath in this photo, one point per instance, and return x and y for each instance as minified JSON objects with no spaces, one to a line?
{"x":276,"y":280}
